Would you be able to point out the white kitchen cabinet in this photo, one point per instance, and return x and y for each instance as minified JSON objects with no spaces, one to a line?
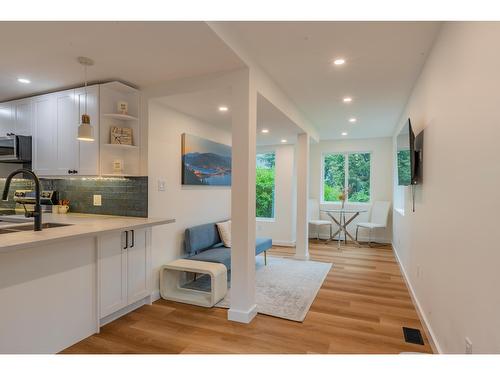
{"x":112,"y":268}
{"x":44,"y":134}
{"x":137,"y":266}
{"x":53,"y":119}
{"x":89,"y":151}
{"x":15,"y":117}
{"x":56,"y":116}
{"x":67,"y":159}
{"x":5,"y":118}
{"x":124,"y":270}
{"x":22,"y":116}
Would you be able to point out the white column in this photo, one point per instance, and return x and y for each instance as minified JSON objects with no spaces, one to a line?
{"x":244,"y":122}
{"x":302,"y":165}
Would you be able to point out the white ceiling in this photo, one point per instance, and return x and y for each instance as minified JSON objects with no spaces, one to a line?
{"x":204,"y":105}
{"x":383,"y":62}
{"x":140,"y":53}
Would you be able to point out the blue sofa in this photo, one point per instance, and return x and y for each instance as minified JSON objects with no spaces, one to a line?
{"x":203,"y":243}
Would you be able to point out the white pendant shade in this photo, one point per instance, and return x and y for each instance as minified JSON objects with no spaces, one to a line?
{"x":85,"y":131}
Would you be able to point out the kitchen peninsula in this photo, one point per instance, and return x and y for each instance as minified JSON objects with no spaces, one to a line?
{"x":61,"y":284}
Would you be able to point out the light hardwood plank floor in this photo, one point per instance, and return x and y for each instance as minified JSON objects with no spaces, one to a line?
{"x":361,"y":308}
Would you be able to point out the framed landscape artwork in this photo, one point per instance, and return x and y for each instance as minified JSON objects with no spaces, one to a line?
{"x":205,"y":162}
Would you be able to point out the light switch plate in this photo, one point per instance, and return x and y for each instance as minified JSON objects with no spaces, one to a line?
{"x":162,"y":185}
{"x":97,"y":200}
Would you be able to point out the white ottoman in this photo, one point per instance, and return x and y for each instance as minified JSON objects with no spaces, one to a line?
{"x":170,"y":282}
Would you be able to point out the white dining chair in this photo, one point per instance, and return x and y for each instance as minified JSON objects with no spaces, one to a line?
{"x":378,"y":218}
{"x":314,"y":217}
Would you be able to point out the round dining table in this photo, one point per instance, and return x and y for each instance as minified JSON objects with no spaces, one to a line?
{"x":345,"y":217}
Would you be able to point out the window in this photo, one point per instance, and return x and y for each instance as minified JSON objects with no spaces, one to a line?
{"x":264,"y":190}
{"x":347,"y":169}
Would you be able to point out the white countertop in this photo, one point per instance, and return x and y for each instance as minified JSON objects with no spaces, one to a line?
{"x":83,"y":225}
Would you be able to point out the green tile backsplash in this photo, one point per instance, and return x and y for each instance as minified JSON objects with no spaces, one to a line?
{"x":120,"y":196}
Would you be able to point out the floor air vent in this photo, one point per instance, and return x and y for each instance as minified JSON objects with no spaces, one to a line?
{"x":413,"y":336}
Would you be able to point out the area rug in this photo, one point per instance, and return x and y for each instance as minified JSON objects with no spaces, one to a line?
{"x":285,"y":288}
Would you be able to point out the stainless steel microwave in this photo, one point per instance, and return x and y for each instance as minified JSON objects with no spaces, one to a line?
{"x":15,"y":149}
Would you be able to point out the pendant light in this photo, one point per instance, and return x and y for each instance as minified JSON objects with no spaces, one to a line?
{"x":85,"y":130}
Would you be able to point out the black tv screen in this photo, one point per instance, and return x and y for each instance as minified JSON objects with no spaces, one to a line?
{"x":406,"y":155}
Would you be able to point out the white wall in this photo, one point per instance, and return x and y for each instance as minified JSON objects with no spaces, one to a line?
{"x":448,"y":247}
{"x":189,"y":205}
{"x":381,"y":180}
{"x":282,"y":228}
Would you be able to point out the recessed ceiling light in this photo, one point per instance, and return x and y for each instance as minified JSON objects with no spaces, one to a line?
{"x":352,"y":119}
{"x":265,"y":131}
{"x":23,"y":80}
{"x":284,"y":141}
{"x":339,"y":61}
{"x":223,"y":108}
{"x":347,"y":99}
{"x":344,"y":133}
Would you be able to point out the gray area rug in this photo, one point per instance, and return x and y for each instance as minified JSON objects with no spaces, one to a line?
{"x":285,"y":288}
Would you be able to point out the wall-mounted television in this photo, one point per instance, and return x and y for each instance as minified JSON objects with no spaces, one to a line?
{"x":407,"y":158}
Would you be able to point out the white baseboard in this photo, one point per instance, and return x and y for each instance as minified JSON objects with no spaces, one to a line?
{"x":124,"y":311}
{"x":360,"y":239}
{"x":155,"y":296}
{"x":423,"y":318}
{"x":242,"y":316}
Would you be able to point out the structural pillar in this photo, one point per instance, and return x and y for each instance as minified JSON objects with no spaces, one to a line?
{"x":302,"y":165}
{"x":244,"y":123}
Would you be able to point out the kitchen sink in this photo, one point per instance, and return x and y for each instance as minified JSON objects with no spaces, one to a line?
{"x":28,"y":227}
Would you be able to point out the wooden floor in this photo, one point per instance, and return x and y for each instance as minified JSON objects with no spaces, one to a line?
{"x":361,"y":308}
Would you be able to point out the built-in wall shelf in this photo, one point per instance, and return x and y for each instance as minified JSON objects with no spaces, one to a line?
{"x":114,"y":145}
{"x":119,"y":116}
{"x":111,"y":94}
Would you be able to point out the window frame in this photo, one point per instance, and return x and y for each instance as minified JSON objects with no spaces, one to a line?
{"x":259,"y":218}
{"x":346,"y":173}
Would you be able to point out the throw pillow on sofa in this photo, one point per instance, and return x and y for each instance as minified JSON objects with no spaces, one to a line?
{"x":224,"y":229}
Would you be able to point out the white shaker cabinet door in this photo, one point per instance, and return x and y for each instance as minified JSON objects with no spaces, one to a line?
{"x":112,"y":273}
{"x":138,"y":265}
{"x":22,"y":116}
{"x":44,"y":135}
{"x":67,"y":132}
{"x":89,"y":150}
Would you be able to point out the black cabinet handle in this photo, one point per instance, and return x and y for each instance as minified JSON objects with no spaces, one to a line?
{"x":70,"y":171}
{"x":133,"y":238}
{"x":75,"y":171}
{"x":126,"y":240}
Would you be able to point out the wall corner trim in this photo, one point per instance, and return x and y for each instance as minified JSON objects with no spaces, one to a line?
{"x":436,"y":348}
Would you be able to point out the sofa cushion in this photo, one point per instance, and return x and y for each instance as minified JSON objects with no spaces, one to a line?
{"x":201,"y":237}
{"x":262,"y":244}
{"x":215,"y":255}
{"x":225,"y":232}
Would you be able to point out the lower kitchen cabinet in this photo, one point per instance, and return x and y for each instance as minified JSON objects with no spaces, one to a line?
{"x":124,"y":268}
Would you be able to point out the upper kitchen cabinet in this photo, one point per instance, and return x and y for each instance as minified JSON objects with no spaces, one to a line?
{"x":120,"y":130}
{"x":16,"y":117}
{"x":44,"y":134}
{"x":22,"y":116}
{"x":56,"y":116}
{"x":53,"y":120}
{"x":88,"y":151}
{"x":5,"y":118}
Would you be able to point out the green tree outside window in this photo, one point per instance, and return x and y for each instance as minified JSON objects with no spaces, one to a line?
{"x":264,"y":189}
{"x":357,"y":171}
